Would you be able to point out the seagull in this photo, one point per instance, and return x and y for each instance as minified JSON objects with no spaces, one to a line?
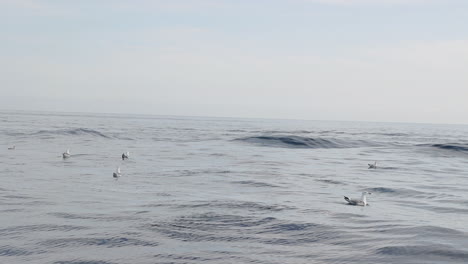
{"x":12,"y":148}
{"x":66,"y":154}
{"x":361,"y":202}
{"x":125,"y":155}
{"x":117,"y":173}
{"x":373,"y":166}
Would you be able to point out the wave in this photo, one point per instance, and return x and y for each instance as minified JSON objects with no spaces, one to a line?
{"x":331,"y":181}
{"x":60,"y":132}
{"x":12,"y":251}
{"x":382,"y":190}
{"x":449,"y":146}
{"x":300,"y":142}
{"x":250,"y":206}
{"x":108,"y":242}
{"x":439,"y":209}
{"x":427,"y":231}
{"x":256,"y":184}
{"x":83,"y":262}
{"x":424,"y":252}
{"x":401,"y":192}
{"x":21,"y":230}
{"x":391,"y":134}
{"x":73,"y":132}
{"x":235,"y":228}
{"x":210,"y":227}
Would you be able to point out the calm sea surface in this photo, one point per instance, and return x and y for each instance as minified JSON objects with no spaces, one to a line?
{"x":221,"y":190}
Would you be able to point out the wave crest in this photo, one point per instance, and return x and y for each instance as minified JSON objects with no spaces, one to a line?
{"x":73,"y":132}
{"x":426,"y":251}
{"x":298,"y":142}
{"x":449,"y":146}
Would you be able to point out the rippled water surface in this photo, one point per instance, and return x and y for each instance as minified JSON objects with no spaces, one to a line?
{"x":220,"y":190}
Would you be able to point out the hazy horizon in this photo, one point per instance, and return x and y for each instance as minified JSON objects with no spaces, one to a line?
{"x":337,"y":60}
{"x":149,"y":115}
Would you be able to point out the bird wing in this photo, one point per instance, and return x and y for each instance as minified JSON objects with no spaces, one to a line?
{"x":351,"y":201}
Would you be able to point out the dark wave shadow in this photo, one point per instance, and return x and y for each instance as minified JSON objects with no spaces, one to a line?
{"x":303,"y":142}
{"x":256,"y":184}
{"x":451,"y":147}
{"x":83,"y":262}
{"x":426,"y":252}
{"x":250,"y":206}
{"x":50,"y":134}
{"x":105,"y":242}
{"x":8,"y":251}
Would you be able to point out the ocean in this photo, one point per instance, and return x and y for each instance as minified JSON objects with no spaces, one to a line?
{"x":229,"y":190}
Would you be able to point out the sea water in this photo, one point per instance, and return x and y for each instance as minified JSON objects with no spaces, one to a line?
{"x":228,"y":190}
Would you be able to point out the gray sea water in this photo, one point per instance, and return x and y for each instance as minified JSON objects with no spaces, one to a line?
{"x":224,"y":190}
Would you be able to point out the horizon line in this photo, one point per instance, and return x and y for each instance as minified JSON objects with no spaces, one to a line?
{"x":229,"y":117}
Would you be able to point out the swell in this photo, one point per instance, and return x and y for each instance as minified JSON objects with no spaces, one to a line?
{"x":27,"y":229}
{"x":425,"y":231}
{"x":235,"y":228}
{"x":454,"y":147}
{"x":62,"y":132}
{"x":9,"y":251}
{"x":83,"y":262}
{"x":289,"y":141}
{"x":408,"y":193}
{"x":326,"y":132}
{"x":108,"y":242}
{"x":425,"y":252}
{"x":73,"y":132}
{"x":230,"y":205}
{"x":256,"y":184}
{"x":398,"y":192}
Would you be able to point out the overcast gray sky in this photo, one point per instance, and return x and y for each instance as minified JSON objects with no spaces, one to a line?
{"x":374,"y":60}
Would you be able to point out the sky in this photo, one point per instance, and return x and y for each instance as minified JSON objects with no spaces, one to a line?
{"x":353,"y":60}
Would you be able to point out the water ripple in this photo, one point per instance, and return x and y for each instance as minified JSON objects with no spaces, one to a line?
{"x":106,"y":242}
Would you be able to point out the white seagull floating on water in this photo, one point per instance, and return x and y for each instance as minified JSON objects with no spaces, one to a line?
{"x":12,"y":147}
{"x":66,"y":154}
{"x":360,"y":202}
{"x":373,"y":166}
{"x":117,"y":173}
{"x":125,"y":155}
